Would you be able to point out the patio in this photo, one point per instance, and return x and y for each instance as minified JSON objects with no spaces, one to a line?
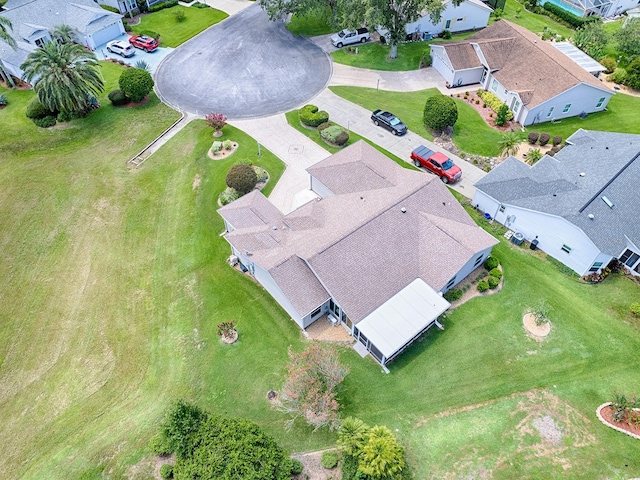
{"x":323,"y":331}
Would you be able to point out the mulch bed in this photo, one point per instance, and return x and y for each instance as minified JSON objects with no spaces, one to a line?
{"x":607,"y":415}
{"x":486,"y":113}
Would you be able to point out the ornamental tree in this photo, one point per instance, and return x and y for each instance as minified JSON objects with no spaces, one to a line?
{"x":311,"y":385}
{"x":502,"y":115}
{"x":216,"y":120}
{"x":381,"y":457}
{"x":136,"y":83}
{"x":242,"y":178}
{"x":440,"y":112}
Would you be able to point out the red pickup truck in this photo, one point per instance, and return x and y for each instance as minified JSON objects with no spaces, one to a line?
{"x":437,"y":163}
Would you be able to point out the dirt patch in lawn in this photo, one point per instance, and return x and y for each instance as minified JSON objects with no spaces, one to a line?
{"x":531,"y":326}
{"x":313,"y":469}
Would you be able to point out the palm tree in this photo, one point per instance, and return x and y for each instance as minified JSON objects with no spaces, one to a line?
{"x":66,"y":76}
{"x":509,"y":143}
{"x":63,"y":34}
{"x":352,"y":435}
{"x":5,"y":26}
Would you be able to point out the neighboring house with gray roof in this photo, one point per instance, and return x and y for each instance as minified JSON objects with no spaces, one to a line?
{"x":538,"y":82}
{"x":375,"y":250}
{"x":33,"y":21}
{"x":580,"y":205}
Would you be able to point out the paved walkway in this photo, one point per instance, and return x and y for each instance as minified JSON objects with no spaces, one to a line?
{"x":230,"y":7}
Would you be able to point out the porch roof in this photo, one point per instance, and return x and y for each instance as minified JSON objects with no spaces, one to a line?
{"x":397,"y":321}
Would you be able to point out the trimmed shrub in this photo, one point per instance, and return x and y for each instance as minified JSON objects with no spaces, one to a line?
{"x":619,"y":76}
{"x":329,"y":460}
{"x":162,"y":5}
{"x":3,"y":100}
{"x":109,"y":8}
{"x":296,"y":466}
{"x":117,"y":97}
{"x":35,"y":109}
{"x":227,"y":144}
{"x":554,"y":150}
{"x":533,"y":137}
{"x":544,"y":139}
{"x":446,"y":35}
{"x":262,"y":174}
{"x":179,"y":16}
{"x":483,"y":286}
{"x":200,"y":5}
{"x":609,"y":63}
{"x":166,"y":471}
{"x":335,"y":134}
{"x":151,"y":33}
{"x":241,"y":177}
{"x":491,"y":262}
{"x":127,"y":28}
{"x":493,"y":282}
{"x":453,"y":295}
{"x":440,"y":112}
{"x":569,"y":17}
{"x":496,"y":272}
{"x":493,"y":101}
{"x":324,"y":125}
{"x":557,"y":140}
{"x":228,"y":196}
{"x":311,"y":117}
{"x":45,"y":122}
{"x":503,"y":114}
{"x":425,"y":59}
{"x":135,"y":83}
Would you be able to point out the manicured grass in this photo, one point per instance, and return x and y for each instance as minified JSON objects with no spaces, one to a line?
{"x":312,"y":133}
{"x":533,"y":21}
{"x":471,"y":134}
{"x":375,"y":56}
{"x":173,"y":33}
{"x":310,"y":25}
{"x":622,"y":115}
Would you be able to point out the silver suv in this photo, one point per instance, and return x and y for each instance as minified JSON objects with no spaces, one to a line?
{"x":123,"y":49}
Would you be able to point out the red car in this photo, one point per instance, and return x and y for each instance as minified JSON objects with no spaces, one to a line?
{"x":437,"y":163}
{"x":144,"y":42}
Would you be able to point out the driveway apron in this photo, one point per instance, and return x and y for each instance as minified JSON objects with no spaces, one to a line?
{"x":244,"y":67}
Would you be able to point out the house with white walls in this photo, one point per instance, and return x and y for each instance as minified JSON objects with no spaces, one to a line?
{"x":469,"y":15}
{"x":580,"y":206}
{"x":537,"y":81}
{"x":375,"y":251}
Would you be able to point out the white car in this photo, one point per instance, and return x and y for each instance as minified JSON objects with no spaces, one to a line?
{"x":347,"y":37}
{"x":123,"y":49}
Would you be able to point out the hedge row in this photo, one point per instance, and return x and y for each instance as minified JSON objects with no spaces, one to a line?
{"x":493,"y":101}
{"x":566,"y":16}
{"x":163,"y":5}
{"x":311,"y":117}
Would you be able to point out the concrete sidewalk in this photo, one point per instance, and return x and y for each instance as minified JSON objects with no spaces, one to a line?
{"x":409,"y":81}
{"x":229,"y":7}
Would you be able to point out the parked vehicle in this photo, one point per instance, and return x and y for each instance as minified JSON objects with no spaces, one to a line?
{"x":389,"y":121}
{"x":437,"y":163}
{"x":121,"y":48}
{"x":347,"y":37}
{"x":144,"y":42}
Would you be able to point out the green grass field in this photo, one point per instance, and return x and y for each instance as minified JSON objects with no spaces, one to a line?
{"x":114,"y":280}
{"x":471,"y":134}
{"x":173,"y":33}
{"x":310,"y":25}
{"x":533,"y":21}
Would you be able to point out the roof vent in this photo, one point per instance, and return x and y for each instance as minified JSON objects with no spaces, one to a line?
{"x":403,"y":210}
{"x":582,"y":174}
{"x":607,"y":201}
{"x":591,"y":216}
{"x":275,"y":228}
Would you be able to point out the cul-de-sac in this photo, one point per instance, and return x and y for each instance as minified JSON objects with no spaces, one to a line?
{"x":319,"y":239}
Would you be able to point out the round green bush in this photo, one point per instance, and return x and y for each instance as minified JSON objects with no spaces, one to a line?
{"x":117,"y":97}
{"x":453,"y":295}
{"x":609,"y":63}
{"x":483,"y":286}
{"x":135,"y":83}
{"x":440,"y":112}
{"x":544,"y":139}
{"x":296,"y":466}
{"x":45,"y":122}
{"x":166,"y":471}
{"x":491,"y":262}
{"x":335,"y":134}
{"x":496,"y":272}
{"x":557,"y":140}
{"x":329,"y":460}
{"x":35,"y":109}
{"x":3,"y":100}
{"x":311,"y":117}
{"x":242,"y":177}
{"x":619,"y":76}
{"x":533,"y":137}
{"x":493,"y":282}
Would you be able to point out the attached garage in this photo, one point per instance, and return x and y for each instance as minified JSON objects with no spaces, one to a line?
{"x":105,"y":34}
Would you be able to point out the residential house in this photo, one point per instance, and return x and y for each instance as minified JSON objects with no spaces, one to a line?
{"x":580,"y":206}
{"x":127,"y":6}
{"x":602,"y":8}
{"x":537,"y":81}
{"x":33,"y":21}
{"x":375,"y":251}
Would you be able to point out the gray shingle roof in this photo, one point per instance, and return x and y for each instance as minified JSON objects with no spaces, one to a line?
{"x":610,"y":163}
{"x":360,"y":245}
{"x":300,"y":285}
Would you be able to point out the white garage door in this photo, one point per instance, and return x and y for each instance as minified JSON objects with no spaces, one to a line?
{"x":442,"y":69}
{"x":105,"y":34}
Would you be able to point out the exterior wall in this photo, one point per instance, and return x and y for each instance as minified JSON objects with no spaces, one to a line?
{"x":551,"y":231}
{"x":512,"y":99}
{"x":318,"y":187}
{"x":583,"y":98}
{"x":467,"y":77}
{"x":473,"y":17}
{"x":12,"y":69}
{"x":440,"y":61}
{"x":469,"y":267}
{"x":620,"y":6}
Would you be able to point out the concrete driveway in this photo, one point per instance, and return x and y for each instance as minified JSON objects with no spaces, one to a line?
{"x":244,"y":67}
{"x":152,"y":59}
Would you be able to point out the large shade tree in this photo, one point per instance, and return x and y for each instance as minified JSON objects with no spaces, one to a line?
{"x":278,"y":9}
{"x":64,"y":75}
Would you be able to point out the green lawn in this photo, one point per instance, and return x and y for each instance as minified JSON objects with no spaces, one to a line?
{"x":310,"y":25}
{"x":533,"y":21}
{"x":312,"y":133}
{"x":471,"y":133}
{"x":174,"y":33}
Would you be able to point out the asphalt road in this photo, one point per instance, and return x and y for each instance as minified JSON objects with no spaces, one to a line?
{"x":244,"y":67}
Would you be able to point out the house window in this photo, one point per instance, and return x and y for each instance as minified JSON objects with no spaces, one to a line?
{"x":447,"y":25}
{"x":629,"y":258}
{"x":375,"y":353}
{"x":450,"y":284}
{"x":600,"y":102}
{"x":502,"y":208}
{"x":550,"y":112}
{"x":478,"y":260}
{"x":516,"y":107}
{"x":494,"y":85}
{"x":40,"y":42}
{"x":566,"y":248}
{"x":566,"y":108}
{"x":595,"y":267}
{"x":506,"y":91}
{"x":459,"y":19}
{"x":316,"y":312}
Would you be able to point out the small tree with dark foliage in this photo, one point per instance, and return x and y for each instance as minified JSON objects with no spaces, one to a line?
{"x":440,"y":112}
{"x":502,"y":115}
{"x":242,"y":178}
{"x":136,"y":83}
